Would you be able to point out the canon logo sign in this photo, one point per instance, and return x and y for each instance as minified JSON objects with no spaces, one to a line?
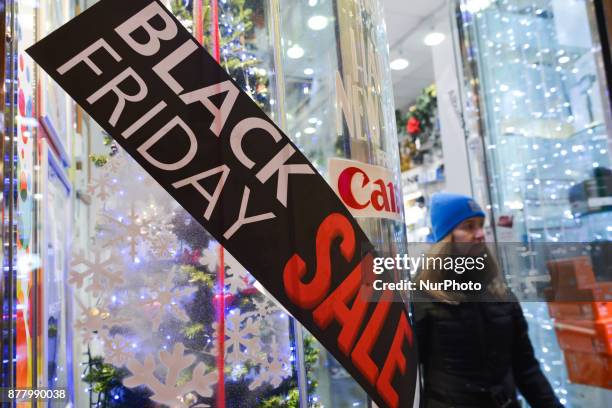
{"x":367,"y":191}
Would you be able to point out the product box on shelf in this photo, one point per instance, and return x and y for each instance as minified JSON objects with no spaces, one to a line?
{"x":580,"y":310}
{"x":571,"y":272}
{"x":592,"y":195}
{"x":585,"y":335}
{"x":589,"y":368}
{"x":601,"y":292}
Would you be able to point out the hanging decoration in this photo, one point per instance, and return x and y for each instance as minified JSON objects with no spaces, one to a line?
{"x":420,"y":128}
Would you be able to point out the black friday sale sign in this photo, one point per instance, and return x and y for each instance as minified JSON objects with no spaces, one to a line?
{"x":142,"y":76}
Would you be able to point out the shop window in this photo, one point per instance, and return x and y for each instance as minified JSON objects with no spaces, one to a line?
{"x":539,"y":143}
{"x":117,"y":294}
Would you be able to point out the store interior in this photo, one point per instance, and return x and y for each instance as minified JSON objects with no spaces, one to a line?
{"x":410,"y":30}
{"x":507,"y":101}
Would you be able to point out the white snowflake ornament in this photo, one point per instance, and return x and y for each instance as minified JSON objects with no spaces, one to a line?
{"x":242,"y":334}
{"x":117,"y":350}
{"x":169,"y":391}
{"x":236,"y":279}
{"x":103,"y":186}
{"x":95,"y":321}
{"x":263,"y":306}
{"x":209,"y":259}
{"x":125,"y":230}
{"x":274,"y":368}
{"x":164,"y":299}
{"x":100,"y":272}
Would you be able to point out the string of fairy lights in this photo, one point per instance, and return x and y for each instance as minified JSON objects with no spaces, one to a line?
{"x":545,"y":134}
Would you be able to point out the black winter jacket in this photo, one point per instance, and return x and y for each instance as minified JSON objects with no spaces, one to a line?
{"x":476,"y":354}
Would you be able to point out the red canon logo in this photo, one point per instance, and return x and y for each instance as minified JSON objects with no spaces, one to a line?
{"x":381,"y":199}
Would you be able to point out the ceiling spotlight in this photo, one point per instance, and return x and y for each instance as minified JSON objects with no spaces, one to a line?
{"x":308,"y":71}
{"x":317,"y":22}
{"x":398,"y":64}
{"x":433,"y":39}
{"x":564,"y":59}
{"x":474,"y":6}
{"x":295,"y":52}
{"x":310,"y":130}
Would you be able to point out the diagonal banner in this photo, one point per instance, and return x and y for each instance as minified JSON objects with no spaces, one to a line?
{"x":142,"y":76}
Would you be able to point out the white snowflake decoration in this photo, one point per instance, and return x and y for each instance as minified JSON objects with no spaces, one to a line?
{"x":163,"y":300}
{"x":125,"y":230}
{"x":95,"y":321}
{"x":263,"y":306}
{"x":274,"y":367}
{"x":135,"y":220}
{"x":242,"y":334}
{"x":236,"y":279}
{"x":101,"y":274}
{"x":169,"y":391}
{"x":103,"y":186}
{"x":148,"y":229}
{"x":163,"y":244}
{"x":127,"y":171}
{"x":160,"y":239}
{"x":209,"y":259}
{"x":117,"y":349}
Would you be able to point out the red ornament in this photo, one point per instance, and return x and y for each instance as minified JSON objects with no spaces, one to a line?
{"x":191,"y":257}
{"x":413,"y":126}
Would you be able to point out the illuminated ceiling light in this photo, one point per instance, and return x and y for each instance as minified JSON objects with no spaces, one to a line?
{"x":317,"y":22}
{"x":312,"y":3}
{"x":313,"y":120}
{"x":295,"y":52}
{"x":308,"y":71}
{"x":474,"y":6}
{"x":564,"y":59}
{"x":398,"y":64}
{"x":310,"y":130}
{"x":433,"y":39}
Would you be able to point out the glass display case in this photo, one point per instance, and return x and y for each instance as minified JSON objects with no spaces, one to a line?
{"x":538,"y":126}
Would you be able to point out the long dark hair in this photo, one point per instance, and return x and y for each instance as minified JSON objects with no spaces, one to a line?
{"x":495,"y":287}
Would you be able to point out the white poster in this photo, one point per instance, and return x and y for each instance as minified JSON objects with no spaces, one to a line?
{"x":366,"y":190}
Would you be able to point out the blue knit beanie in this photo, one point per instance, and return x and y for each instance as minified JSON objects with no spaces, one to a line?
{"x":449,"y":210}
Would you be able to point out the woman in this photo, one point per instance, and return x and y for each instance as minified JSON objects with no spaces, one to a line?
{"x":473,"y":346}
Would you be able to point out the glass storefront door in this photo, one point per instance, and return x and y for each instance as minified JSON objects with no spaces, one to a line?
{"x":539,"y":133}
